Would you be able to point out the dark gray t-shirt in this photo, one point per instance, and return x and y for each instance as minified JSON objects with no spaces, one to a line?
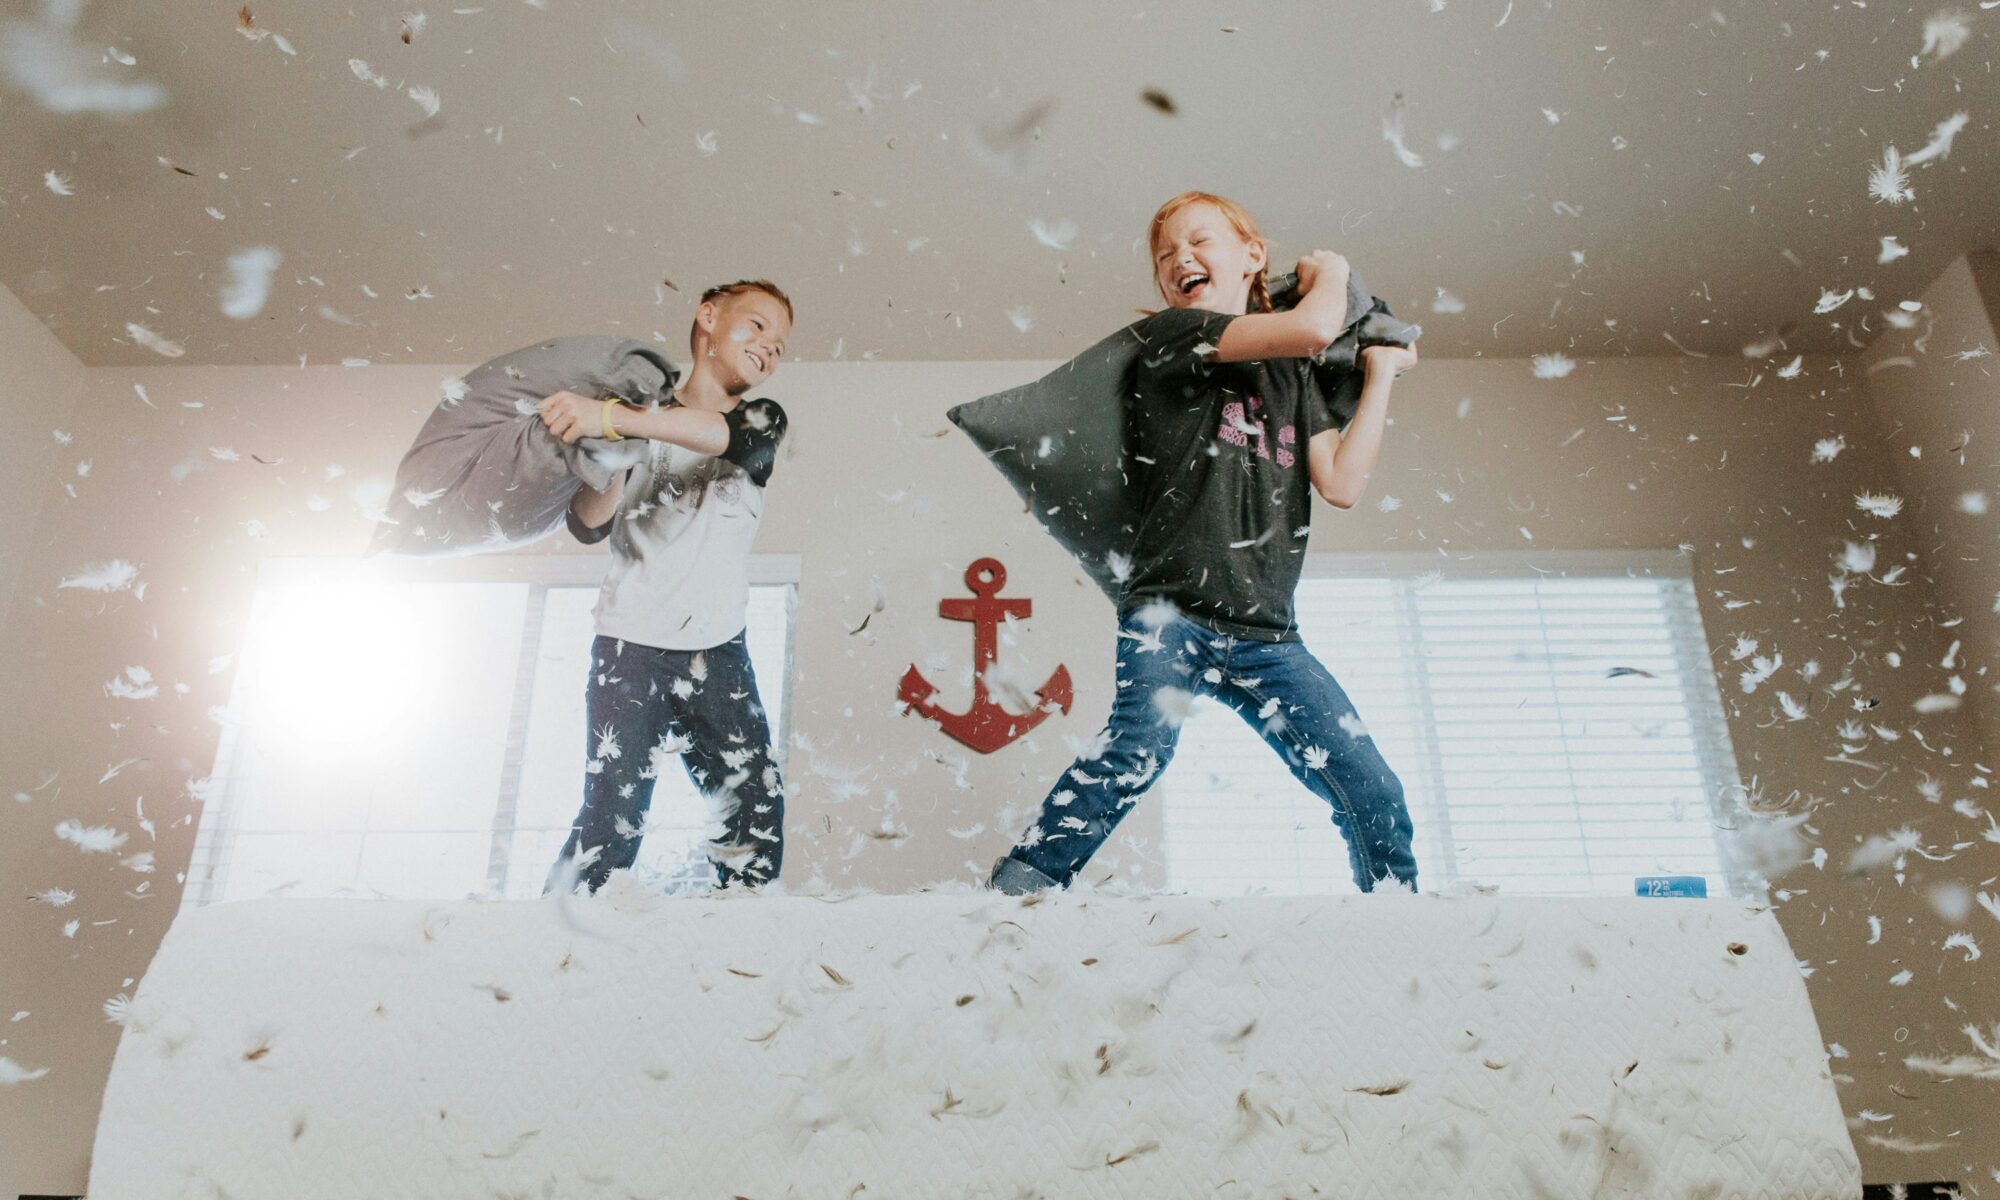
{"x":1226,"y":496}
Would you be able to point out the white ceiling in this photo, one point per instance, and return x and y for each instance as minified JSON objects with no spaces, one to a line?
{"x":884,"y":162}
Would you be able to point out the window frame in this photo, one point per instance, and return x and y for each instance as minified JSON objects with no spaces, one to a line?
{"x":1700,"y":689}
{"x":209,"y":864}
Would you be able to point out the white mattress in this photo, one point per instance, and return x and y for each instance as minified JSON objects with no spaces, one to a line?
{"x":965,"y":1045}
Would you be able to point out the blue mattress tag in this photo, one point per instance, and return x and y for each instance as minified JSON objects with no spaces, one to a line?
{"x":1689,"y":886}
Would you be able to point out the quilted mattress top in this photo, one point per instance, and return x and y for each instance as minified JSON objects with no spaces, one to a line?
{"x":970,"y":1045}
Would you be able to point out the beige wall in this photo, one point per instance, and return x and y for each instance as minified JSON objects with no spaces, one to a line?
{"x":1936,"y":388}
{"x":39,"y":383}
{"x":1712,"y":455}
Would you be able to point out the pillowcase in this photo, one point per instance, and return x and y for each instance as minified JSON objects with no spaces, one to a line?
{"x":485,"y":474}
{"x":1061,"y":440}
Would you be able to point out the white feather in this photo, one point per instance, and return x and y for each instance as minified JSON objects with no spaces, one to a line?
{"x":1941,"y":137}
{"x":249,"y":286}
{"x":1887,"y":180}
{"x":64,"y":75}
{"x":91,"y":839}
{"x":1392,"y":133}
{"x":153,"y":341}
{"x":1055,"y":237}
{"x":113,"y":576}
{"x":1552,"y":366}
{"x":135,"y":684}
{"x":1884,"y":505}
{"x":12,"y":1073}
{"x":1944,"y":33}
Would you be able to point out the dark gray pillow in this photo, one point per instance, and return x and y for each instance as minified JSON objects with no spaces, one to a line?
{"x":1337,"y":369}
{"x":1061,"y":440}
{"x":485,"y":474}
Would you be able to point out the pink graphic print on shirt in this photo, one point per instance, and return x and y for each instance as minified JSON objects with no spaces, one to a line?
{"x":1238,"y":428}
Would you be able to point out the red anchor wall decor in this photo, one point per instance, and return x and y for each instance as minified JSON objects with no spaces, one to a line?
{"x":986,"y":726}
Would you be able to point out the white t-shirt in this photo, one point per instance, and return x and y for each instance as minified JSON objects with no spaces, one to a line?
{"x":680,"y":552}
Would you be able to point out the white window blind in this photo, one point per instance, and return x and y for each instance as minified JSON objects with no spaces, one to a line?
{"x":417,"y":730}
{"x":1553,"y":718}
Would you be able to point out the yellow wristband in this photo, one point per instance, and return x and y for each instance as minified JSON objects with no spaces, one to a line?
{"x":604,"y":420}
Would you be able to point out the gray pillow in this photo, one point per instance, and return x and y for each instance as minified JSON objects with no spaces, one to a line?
{"x":1061,"y":439}
{"x":485,"y":474}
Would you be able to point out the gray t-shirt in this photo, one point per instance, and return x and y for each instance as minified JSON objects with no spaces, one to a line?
{"x":680,"y":543}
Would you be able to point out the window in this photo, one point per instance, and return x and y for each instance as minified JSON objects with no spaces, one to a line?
{"x":416,"y":728}
{"x":1553,"y":717}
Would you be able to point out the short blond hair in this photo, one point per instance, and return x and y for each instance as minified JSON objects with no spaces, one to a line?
{"x":738,"y":288}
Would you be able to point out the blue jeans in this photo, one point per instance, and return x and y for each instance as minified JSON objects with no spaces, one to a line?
{"x":645,"y":704}
{"x":1279,"y":688}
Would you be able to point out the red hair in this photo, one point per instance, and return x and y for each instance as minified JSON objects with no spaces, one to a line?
{"x":1239,"y":219}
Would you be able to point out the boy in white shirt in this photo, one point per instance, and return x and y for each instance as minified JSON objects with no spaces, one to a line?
{"x":670,"y":671}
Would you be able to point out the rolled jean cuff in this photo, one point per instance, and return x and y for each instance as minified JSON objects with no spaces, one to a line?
{"x":1016,"y":878}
